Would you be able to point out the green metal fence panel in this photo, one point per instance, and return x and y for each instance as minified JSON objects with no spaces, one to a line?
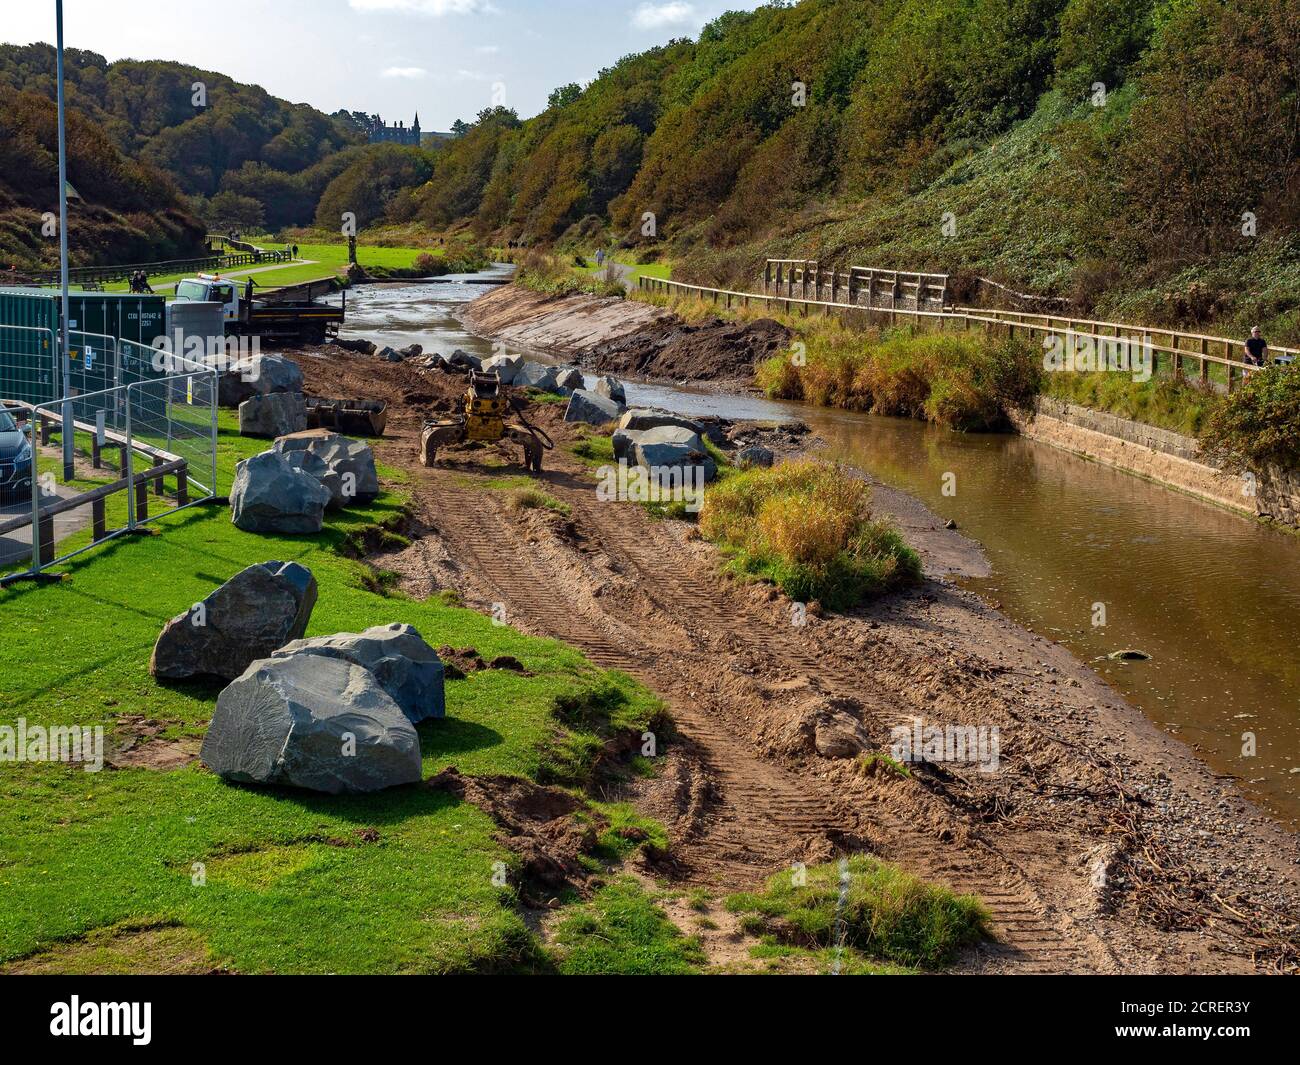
{"x":98,"y":324}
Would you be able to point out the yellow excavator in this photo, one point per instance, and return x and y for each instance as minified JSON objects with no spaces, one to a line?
{"x":487,"y":405}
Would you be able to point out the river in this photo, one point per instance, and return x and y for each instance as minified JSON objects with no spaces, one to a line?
{"x":1213,"y":598}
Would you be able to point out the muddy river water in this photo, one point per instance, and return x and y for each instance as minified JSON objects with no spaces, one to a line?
{"x":1095,"y":559}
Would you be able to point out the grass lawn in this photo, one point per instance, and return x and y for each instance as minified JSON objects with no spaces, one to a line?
{"x":326,"y":260}
{"x":257,"y":880}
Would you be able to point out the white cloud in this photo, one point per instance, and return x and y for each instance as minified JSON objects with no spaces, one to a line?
{"x":487,"y":49}
{"x":436,"y":8}
{"x":410,"y":73}
{"x":658,"y":16}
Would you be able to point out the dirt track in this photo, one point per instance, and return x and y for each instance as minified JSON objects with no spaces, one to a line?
{"x":1077,"y":845}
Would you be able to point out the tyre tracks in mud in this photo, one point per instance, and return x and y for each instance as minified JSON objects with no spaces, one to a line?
{"x":750,"y":815}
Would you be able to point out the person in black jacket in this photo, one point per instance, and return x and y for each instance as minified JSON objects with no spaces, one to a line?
{"x":1256,"y":348}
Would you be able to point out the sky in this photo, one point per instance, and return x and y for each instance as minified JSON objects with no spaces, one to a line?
{"x":446,"y":59}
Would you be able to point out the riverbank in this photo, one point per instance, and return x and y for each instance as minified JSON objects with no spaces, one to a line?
{"x":1101,"y":843}
{"x":1168,"y":458}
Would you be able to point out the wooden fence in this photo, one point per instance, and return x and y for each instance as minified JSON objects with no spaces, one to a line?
{"x":861,"y":286}
{"x":100,"y":274}
{"x":1175,"y":347}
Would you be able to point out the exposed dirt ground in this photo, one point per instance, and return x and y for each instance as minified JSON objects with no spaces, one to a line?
{"x":625,"y":337}
{"x":1101,"y":845}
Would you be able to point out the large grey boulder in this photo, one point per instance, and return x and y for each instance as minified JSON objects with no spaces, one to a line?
{"x":310,"y":463}
{"x":641,"y":418}
{"x":611,"y":388}
{"x":568,"y":379}
{"x":624,"y":441}
{"x":343,"y":465}
{"x":259,"y":375}
{"x":464,"y":360}
{"x":387,"y":354}
{"x":506,"y":367}
{"x":407,"y":668}
{"x":588,"y":407}
{"x":536,"y":375}
{"x":309,"y":722}
{"x":272,"y":415}
{"x":256,"y":612}
{"x":669,"y":446}
{"x":357,"y":347}
{"x":271,"y":496}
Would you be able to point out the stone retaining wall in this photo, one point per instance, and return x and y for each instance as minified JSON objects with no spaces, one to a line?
{"x":1163,"y":456}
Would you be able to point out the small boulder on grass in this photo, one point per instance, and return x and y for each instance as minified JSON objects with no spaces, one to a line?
{"x":271,"y":496}
{"x":670,"y":447}
{"x":256,"y":612}
{"x":259,"y":375}
{"x":407,"y":668}
{"x":536,"y":375}
{"x":590,"y":408}
{"x":640,"y":419}
{"x":345,"y":466}
{"x":748,"y":458}
{"x":274,"y":414}
{"x":306,"y":721}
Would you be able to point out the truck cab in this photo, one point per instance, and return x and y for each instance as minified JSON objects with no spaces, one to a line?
{"x":211,"y":288}
{"x":285,"y":315}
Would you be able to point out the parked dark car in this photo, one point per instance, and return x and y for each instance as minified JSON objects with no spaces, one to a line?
{"x":15,"y":461}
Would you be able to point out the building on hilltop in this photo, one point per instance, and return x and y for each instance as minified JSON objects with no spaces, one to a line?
{"x":398,"y":134}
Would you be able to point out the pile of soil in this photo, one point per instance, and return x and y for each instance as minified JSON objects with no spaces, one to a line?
{"x":673,"y":350}
{"x":537,"y":823}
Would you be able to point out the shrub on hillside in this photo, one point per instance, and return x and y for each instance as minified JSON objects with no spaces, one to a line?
{"x":1259,"y":424}
{"x":807,"y":527}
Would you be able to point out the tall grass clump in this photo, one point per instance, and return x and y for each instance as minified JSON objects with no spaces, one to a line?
{"x":970,"y":382}
{"x":807,"y":527}
{"x":881,"y":912}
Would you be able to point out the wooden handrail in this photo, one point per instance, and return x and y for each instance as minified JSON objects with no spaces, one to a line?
{"x":987,"y":317}
{"x":95,"y":495}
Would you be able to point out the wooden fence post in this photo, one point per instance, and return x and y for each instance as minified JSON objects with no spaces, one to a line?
{"x":98,"y":523}
{"x":141,"y":499}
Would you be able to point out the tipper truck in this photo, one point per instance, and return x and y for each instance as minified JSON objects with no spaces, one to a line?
{"x":293,"y":315}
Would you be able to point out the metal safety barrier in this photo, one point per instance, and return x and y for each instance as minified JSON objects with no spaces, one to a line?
{"x":145,"y":447}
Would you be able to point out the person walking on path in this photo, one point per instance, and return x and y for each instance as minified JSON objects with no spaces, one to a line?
{"x":1256,"y":348}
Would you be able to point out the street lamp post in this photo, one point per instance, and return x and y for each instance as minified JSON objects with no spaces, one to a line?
{"x":65,"y":340}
